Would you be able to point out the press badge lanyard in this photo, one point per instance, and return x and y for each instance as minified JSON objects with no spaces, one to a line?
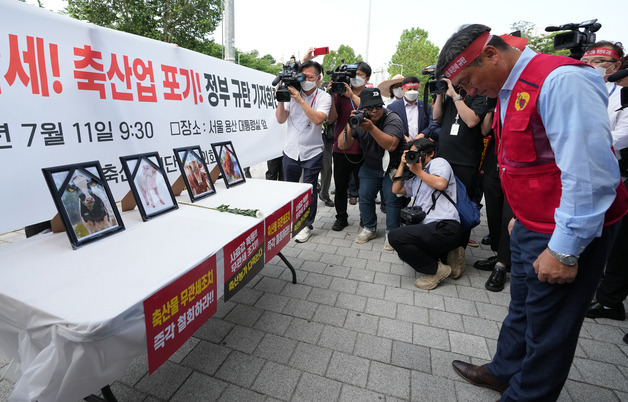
{"x":309,"y":123}
{"x":614,"y":87}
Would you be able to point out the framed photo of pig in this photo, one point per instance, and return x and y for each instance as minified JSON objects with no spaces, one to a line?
{"x":194,"y":171}
{"x":149,"y":184}
{"x":228,"y":162}
{"x":84,"y":202}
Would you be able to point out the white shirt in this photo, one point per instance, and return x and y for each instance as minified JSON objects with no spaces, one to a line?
{"x":304,"y":140}
{"x":412,"y":113}
{"x":618,"y":119}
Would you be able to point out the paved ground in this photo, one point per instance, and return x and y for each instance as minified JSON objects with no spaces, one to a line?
{"x":354,"y":328}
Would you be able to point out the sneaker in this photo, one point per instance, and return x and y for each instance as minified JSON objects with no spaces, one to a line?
{"x":429,"y":282}
{"x":304,"y":235}
{"x":339,"y":224}
{"x":455,"y":259}
{"x":473,"y":243}
{"x":495,"y":282}
{"x":387,"y":245}
{"x":365,"y":235}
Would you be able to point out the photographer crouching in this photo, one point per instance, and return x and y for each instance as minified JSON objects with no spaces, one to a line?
{"x":427,"y":239}
{"x":305,"y":113}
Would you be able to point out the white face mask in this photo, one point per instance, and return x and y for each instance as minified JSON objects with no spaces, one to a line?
{"x":602,"y":71}
{"x":412,"y":95}
{"x":357,"y":81}
{"x":308,"y":85}
{"x":398,"y":93}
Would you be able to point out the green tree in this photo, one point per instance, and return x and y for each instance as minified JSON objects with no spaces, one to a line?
{"x":414,"y":52}
{"x":252,"y":60}
{"x":184,"y":22}
{"x":335,"y":57}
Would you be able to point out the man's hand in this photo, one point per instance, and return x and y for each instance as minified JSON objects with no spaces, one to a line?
{"x":294,"y":94}
{"x":550,"y":270}
{"x":348,"y":92}
{"x":450,"y":88}
{"x":309,"y":55}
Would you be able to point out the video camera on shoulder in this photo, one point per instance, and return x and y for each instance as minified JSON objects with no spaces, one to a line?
{"x":433,"y":85}
{"x":341,"y":75}
{"x":289,"y":76}
{"x":576,"y":41}
{"x":358,"y":118}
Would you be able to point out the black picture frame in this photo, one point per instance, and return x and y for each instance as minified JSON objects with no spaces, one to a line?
{"x":229,"y":164}
{"x":84,"y":202}
{"x":190,"y":160}
{"x":149,"y":184}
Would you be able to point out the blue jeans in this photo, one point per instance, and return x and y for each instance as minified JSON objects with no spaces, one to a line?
{"x":371,"y":181}
{"x":538,"y":338}
{"x":310,"y":169}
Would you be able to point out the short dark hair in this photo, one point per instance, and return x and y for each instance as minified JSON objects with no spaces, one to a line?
{"x":410,"y":80}
{"x":365,"y":68}
{"x":312,"y":63}
{"x":424,"y":144}
{"x":617,"y":46}
{"x":460,"y":40}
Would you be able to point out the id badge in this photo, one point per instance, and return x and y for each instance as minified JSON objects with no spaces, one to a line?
{"x":454,"y":129}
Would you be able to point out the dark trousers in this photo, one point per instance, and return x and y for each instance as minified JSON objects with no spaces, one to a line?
{"x":498,"y":214}
{"x":538,"y":338}
{"x":327,"y":169}
{"x":275,"y":169}
{"x":469,"y":177}
{"x":345,"y":166}
{"x":422,"y":245}
{"x":310,"y":169}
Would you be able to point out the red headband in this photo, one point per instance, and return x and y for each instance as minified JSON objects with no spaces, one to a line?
{"x":411,"y":85}
{"x":467,"y":56}
{"x":602,"y":51}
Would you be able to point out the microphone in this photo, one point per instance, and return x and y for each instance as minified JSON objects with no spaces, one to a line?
{"x":552,"y":29}
{"x":618,"y":75}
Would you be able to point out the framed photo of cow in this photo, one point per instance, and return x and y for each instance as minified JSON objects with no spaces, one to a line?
{"x":194,"y":172}
{"x":228,"y":162}
{"x":149,"y":184}
{"x":84,"y":202}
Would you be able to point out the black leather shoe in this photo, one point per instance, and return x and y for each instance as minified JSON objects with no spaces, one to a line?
{"x":487,"y":264}
{"x":597,"y":310}
{"x":478,"y":375}
{"x":486,"y":240}
{"x":329,"y":203}
{"x":339,"y":225}
{"x":495,"y":282}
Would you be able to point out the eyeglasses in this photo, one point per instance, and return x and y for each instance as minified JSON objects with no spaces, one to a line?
{"x":370,"y":108}
{"x":596,"y":62}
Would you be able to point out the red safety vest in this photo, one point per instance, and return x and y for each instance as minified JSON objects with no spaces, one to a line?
{"x":529,"y":175}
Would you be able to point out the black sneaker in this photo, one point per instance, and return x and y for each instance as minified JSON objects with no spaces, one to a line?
{"x":495,"y":282}
{"x":598,"y":310}
{"x":339,"y":225}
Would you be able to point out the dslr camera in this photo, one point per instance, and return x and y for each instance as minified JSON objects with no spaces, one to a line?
{"x":412,"y":215}
{"x":413,"y":157}
{"x":576,"y":41}
{"x":289,"y":76}
{"x":358,"y":118}
{"x":433,"y":85}
{"x":341,"y":75}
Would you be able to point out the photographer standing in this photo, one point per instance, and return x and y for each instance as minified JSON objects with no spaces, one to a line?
{"x":380,"y":135}
{"x":426,"y":244}
{"x":303,"y":147}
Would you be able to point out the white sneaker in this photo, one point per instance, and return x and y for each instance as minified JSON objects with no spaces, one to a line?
{"x":304,"y":235}
{"x":365,"y":235}
{"x":387,"y":245}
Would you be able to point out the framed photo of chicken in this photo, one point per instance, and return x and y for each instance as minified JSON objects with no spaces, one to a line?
{"x":228,"y":162}
{"x":194,"y":172}
{"x":84,"y":202}
{"x":149,"y":184}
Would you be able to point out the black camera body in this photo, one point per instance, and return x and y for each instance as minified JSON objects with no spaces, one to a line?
{"x":412,"y":215}
{"x":289,"y":76}
{"x":576,"y":41}
{"x":341,"y":75}
{"x":433,"y":85}
{"x":358,"y":118}
{"x":413,"y":157}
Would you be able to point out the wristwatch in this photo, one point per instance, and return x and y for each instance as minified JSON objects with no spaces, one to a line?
{"x":566,"y":259}
{"x":457,"y":98}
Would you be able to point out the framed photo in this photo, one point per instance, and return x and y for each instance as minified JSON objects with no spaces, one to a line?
{"x":227,"y":159}
{"x":84,"y":202}
{"x":149,"y":184}
{"x":194,"y":172}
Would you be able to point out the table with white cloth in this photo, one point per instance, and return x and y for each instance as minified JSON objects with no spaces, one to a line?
{"x":74,"y":319}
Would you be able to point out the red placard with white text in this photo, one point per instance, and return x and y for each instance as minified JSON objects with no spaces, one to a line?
{"x":301,"y":211}
{"x":174,"y":313}
{"x":244,"y":258}
{"x":277,"y":231}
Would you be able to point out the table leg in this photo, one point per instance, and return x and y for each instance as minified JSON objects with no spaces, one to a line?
{"x":285,"y":260}
{"x":107,"y":396}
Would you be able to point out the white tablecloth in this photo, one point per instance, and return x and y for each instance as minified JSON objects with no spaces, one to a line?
{"x":74,"y":319}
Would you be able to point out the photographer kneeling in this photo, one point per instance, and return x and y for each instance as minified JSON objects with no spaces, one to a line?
{"x":425,"y":245}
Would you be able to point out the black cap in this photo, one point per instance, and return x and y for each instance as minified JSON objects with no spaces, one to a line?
{"x":618,"y":75}
{"x":370,"y":97}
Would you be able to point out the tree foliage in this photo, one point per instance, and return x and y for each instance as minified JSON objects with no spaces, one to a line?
{"x":335,"y":57}
{"x":414,"y":52}
{"x":543,"y":43}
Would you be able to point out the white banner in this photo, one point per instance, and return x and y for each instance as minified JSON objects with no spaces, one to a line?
{"x":74,"y":92}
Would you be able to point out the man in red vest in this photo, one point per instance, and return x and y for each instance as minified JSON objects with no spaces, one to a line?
{"x":561,"y":178}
